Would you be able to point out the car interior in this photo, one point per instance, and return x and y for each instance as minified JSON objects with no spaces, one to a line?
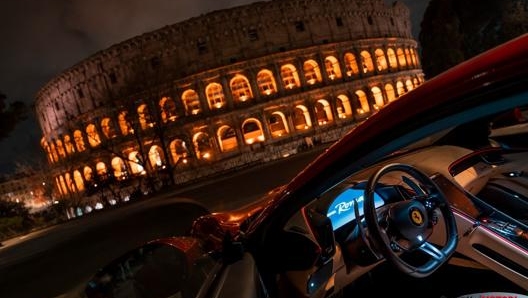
{"x":449,"y":211}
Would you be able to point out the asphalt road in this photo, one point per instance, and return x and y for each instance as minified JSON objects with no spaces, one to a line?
{"x":50,"y":262}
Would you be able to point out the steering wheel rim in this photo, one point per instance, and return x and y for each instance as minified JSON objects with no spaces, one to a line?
{"x":411,"y":219}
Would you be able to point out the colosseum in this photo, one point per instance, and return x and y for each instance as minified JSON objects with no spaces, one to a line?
{"x":224,"y":90}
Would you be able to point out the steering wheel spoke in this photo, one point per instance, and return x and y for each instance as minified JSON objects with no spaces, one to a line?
{"x":433,"y":252}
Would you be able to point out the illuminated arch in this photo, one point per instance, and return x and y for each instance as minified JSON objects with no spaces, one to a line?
{"x":118,"y":165}
{"x":416,"y":83}
{"x":93,"y":137}
{"x":414,"y":58}
{"x":401,"y":57}
{"x":290,"y":77}
{"x":408,"y":57}
{"x":301,"y":118}
{"x":323,"y":112}
{"x":144,"y":117}
{"x":54,"y":152}
{"x":389,"y":91}
{"x":252,"y":131}
{"x":381,"y":61}
{"x":312,"y":72}
{"x":79,"y":183}
{"x":168,"y":109}
{"x":351,"y":64}
{"x":68,"y":145}
{"x":60,"y":149}
{"x":156,"y":157}
{"x":344,"y":108}
{"x":400,"y":88}
{"x":62,"y":184}
{"x":240,"y":88}
{"x":409,"y":85}
{"x":266,"y":82}
{"x":378,"y":97}
{"x":227,"y":138}
{"x":178,"y":151}
{"x":191,"y":102}
{"x":124,"y":125}
{"x":69,"y":183}
{"x":202,"y":145}
{"x":278,"y":126}
{"x":393,"y":62}
{"x":88,"y":173}
{"x":79,"y":141}
{"x":215,"y":96}
{"x":333,"y":70}
{"x":136,"y":163}
{"x":108,"y":128}
{"x":101,"y":169}
{"x":363,"y":102}
{"x":366,"y":62}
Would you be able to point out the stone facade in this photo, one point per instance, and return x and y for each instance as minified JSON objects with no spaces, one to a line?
{"x":226,"y":89}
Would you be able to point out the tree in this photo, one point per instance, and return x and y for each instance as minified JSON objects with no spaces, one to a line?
{"x":10,"y":115}
{"x":453,"y":31}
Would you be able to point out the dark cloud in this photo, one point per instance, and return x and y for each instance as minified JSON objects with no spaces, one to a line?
{"x":41,"y":38}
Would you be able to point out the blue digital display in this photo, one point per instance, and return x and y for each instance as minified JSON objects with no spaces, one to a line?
{"x":341,"y":211}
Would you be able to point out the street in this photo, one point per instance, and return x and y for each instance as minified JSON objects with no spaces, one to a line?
{"x":48,"y":263}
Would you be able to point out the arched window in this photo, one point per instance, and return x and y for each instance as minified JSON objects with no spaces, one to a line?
{"x":60,"y":149}
{"x":290,"y":77}
{"x":266,"y":82}
{"x":108,"y":128}
{"x":156,"y":157}
{"x":69,"y":183}
{"x":312,"y":73}
{"x":381,"y":61}
{"x":68,"y":145}
{"x":54,"y":152}
{"x":202,"y":145}
{"x":278,"y":126}
{"x":389,"y":91}
{"x":409,"y":85}
{"x":227,"y":138}
{"x":351,"y":64}
{"x":124,"y":125}
{"x":363,"y":102}
{"x":378,"y":98}
{"x":93,"y":137}
{"x":408,"y":57}
{"x":101,"y":169}
{"x":333,"y":70}
{"x":392,"y":58}
{"x":168,"y":109}
{"x":400,"y":88}
{"x":344,"y":109}
{"x":401,"y":57}
{"x":301,"y":118}
{"x":240,"y":88}
{"x":79,"y":141}
{"x":179,"y":151}
{"x":79,"y":183}
{"x":252,"y":131}
{"x":191,"y":102}
{"x":366,"y":62}
{"x":323,"y":112}
{"x":145,"y":120}
{"x":136,"y":163}
{"x":416,"y":83}
{"x":215,"y":96}
{"x":63,"y":187}
{"x":118,"y":165}
{"x":88,"y":173}
{"x":414,"y":57}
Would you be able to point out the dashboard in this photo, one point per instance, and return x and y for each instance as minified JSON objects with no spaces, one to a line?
{"x":342,"y":209}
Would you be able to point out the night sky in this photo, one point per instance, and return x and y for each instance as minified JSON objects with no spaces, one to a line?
{"x":41,"y":38}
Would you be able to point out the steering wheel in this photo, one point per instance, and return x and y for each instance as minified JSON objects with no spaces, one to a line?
{"x":405,"y":226}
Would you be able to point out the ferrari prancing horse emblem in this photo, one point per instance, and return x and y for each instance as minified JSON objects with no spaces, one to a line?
{"x":416,"y":217}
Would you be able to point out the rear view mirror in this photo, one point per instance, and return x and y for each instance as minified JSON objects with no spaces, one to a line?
{"x":153,"y":270}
